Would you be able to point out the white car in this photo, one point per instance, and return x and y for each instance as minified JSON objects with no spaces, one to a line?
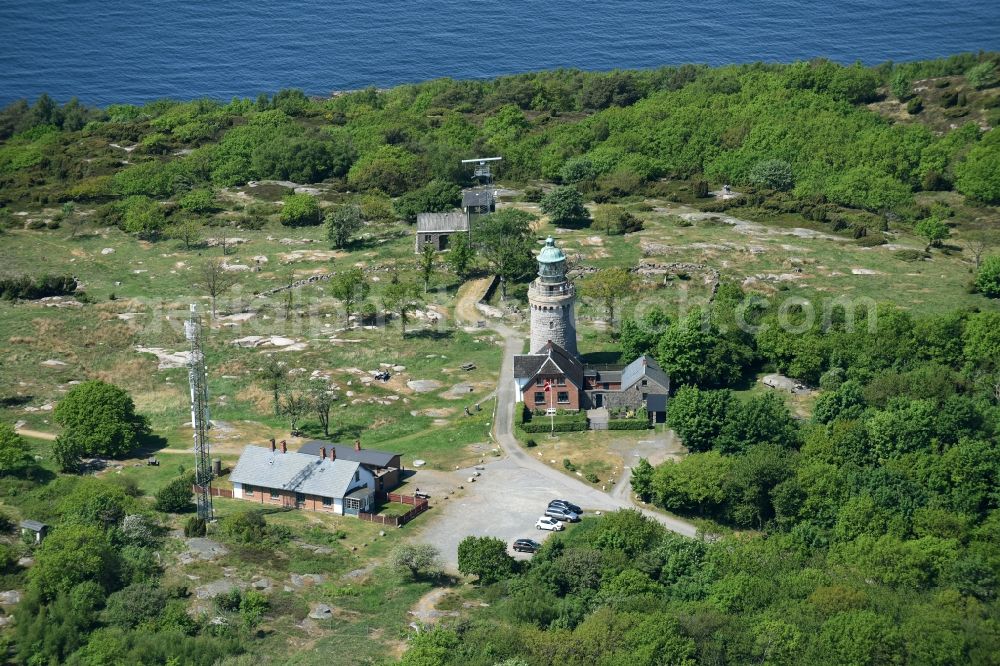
{"x":551,"y":524}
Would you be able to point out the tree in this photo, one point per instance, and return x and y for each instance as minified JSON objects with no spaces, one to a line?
{"x":978,"y":176}
{"x":982,"y":75}
{"x":321,"y":400}
{"x":988,"y":277}
{"x":427,"y":265}
{"x":73,"y":554}
{"x":773,"y":175}
{"x":419,"y":559}
{"x":608,"y":285}
{"x":299,"y":210}
{"x":350,"y":287}
{"x":175,"y":497}
{"x":900,"y":85}
{"x":436,"y":196}
{"x":188,"y":231}
{"x":627,"y":530}
{"x":564,"y":206}
{"x":274,"y":374}
{"x":15,"y":458}
{"x":642,"y":480}
{"x":504,"y":240}
{"x":253,"y":605}
{"x":932,"y":230}
{"x":698,"y":417}
{"x":460,"y":256}
{"x":214,"y":279}
{"x":67,"y":454}
{"x":615,"y":220}
{"x":761,"y":419}
{"x":695,"y":483}
{"x":639,"y":336}
{"x":400,"y":297}
{"x":294,"y":405}
{"x":486,"y":558}
{"x":100,"y":419}
{"x":342,"y":223}
{"x":141,"y":216}
{"x":694,"y":351}
{"x":977,"y":247}
{"x":198,"y":201}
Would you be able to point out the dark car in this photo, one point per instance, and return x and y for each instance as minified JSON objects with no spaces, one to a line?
{"x":568,"y":506}
{"x":526,"y":546}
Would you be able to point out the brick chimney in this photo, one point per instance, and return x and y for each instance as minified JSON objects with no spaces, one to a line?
{"x":322,"y":452}
{"x":357,"y":445}
{"x":333,"y":453}
{"x":272,"y":445}
{"x":284,"y":447}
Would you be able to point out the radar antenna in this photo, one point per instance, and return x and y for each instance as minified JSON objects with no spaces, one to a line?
{"x":482,"y":169}
{"x":198,"y":378}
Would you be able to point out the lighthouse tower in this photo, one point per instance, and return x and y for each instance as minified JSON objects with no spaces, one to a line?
{"x":552,"y":298}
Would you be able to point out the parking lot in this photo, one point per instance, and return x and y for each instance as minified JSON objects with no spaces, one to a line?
{"x":504,"y":501}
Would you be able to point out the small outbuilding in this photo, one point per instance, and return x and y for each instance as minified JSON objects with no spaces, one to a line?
{"x":436,"y":229}
{"x":35,"y":528}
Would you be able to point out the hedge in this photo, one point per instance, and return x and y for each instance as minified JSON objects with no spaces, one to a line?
{"x":629,"y":424}
{"x":543,"y":425}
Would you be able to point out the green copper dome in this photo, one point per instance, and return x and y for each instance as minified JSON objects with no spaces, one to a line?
{"x":550,"y":254}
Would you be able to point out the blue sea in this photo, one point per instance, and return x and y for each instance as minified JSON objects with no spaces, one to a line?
{"x":108,"y":51}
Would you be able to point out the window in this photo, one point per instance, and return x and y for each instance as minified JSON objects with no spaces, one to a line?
{"x":427,"y":238}
{"x":552,"y":325}
{"x":275,"y":495}
{"x":248,"y":490}
{"x":605,"y":386}
{"x":561,"y":381}
{"x":538,"y":381}
{"x":327,"y":501}
{"x":357,"y":476}
{"x":644,"y":395}
{"x":562,"y":397}
{"x":539,"y":397}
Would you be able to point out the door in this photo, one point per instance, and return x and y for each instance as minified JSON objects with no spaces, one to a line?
{"x":352,"y":506}
{"x":300,"y":500}
{"x":598,"y":400}
{"x":443,"y":242}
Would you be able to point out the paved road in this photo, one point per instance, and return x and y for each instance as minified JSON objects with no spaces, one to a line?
{"x":511,"y":493}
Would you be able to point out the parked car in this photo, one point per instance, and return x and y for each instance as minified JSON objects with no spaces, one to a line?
{"x":562,"y":514}
{"x":551,"y":524}
{"x":564,"y":504}
{"x":526,"y":546}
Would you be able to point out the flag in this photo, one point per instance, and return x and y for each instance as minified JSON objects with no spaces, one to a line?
{"x":548,"y":385}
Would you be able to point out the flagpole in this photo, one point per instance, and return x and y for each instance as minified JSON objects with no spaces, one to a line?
{"x":552,"y":412}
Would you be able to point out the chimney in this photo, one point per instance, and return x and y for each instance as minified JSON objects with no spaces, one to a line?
{"x":333,"y":453}
{"x":272,"y":445}
{"x":357,"y":445}
{"x":322,"y":452}
{"x":284,"y":447}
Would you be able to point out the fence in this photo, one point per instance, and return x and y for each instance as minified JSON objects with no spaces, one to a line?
{"x":214,"y":492}
{"x":419,"y":506}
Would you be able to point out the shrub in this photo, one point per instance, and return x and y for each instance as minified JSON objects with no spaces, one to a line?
{"x":568,"y":464}
{"x":533,"y":194}
{"x":590,"y":476}
{"x":915,"y":106}
{"x":194,"y":527}
{"x":531,"y":443}
{"x":773,"y":175}
{"x":700,"y":188}
{"x":32,"y":288}
{"x":909,"y":255}
{"x":300,"y":210}
{"x":175,"y":497}
{"x":988,"y":277}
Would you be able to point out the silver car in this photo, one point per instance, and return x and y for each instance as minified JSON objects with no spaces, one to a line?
{"x":564,"y":515}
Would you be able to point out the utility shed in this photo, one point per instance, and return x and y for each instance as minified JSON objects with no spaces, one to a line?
{"x":436,"y":229}
{"x":36,"y":528}
{"x":478,"y":202}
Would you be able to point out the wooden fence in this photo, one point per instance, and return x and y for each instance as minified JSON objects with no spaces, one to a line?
{"x":213,"y":491}
{"x":419,"y":506}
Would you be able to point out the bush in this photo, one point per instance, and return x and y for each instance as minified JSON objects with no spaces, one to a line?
{"x":988,"y":277}
{"x":915,"y":106}
{"x":175,"y":497}
{"x":700,"y":188}
{"x":773,"y":175}
{"x":531,"y":443}
{"x":590,"y":476}
{"x":29,"y":288}
{"x":533,"y":194}
{"x":300,"y":210}
{"x":568,"y":464}
{"x":629,"y":424}
{"x":194,"y":527}
{"x":909,"y":255}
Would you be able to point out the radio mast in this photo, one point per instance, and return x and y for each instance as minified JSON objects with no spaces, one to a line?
{"x":198,"y":378}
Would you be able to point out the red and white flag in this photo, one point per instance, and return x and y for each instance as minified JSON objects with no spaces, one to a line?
{"x":548,"y":385}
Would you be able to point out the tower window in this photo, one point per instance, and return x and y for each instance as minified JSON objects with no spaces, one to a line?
{"x":552,"y":324}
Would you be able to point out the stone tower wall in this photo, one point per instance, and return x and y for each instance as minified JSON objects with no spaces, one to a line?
{"x":553,"y":318}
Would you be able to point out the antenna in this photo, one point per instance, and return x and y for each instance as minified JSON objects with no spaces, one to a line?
{"x":482,"y":168}
{"x":198,"y":378}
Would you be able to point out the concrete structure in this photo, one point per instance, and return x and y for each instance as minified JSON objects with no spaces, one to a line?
{"x":278,"y":477}
{"x":436,"y":229}
{"x":385,"y":467}
{"x":552,"y":299}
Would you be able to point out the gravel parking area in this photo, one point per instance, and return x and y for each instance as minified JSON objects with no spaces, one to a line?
{"x":504,"y":501}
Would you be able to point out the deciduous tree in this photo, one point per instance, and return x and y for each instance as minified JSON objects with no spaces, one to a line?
{"x":100,"y":419}
{"x":486,"y":558}
{"x":342,"y":223}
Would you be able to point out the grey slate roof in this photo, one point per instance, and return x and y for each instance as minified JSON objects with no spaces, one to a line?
{"x":33,"y":525}
{"x":550,"y":359}
{"x":370,"y":457}
{"x":477,"y":198}
{"x":644,"y":366}
{"x":656,"y":403}
{"x":439,"y":222}
{"x":299,"y":472}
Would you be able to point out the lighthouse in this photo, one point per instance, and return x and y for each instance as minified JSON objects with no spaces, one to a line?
{"x":552,"y":299}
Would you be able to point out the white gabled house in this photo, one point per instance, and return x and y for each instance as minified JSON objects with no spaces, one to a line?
{"x":276,"y":476}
